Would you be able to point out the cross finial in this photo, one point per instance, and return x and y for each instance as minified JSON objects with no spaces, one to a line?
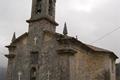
{"x":14,"y":37}
{"x":76,"y":37}
{"x":65,"y":32}
{"x":19,"y":75}
{"x":35,"y":40}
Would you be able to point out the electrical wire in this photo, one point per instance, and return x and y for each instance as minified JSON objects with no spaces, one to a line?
{"x":105,"y":35}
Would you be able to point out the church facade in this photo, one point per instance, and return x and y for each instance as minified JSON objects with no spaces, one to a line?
{"x":43,"y":54}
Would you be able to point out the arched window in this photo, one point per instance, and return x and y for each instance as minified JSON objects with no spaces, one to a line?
{"x":34,"y":57}
{"x":33,"y":73}
{"x":39,"y":6}
{"x":50,"y":7}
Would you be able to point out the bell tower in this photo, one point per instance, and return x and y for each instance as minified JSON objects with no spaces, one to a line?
{"x":46,"y":7}
{"x":40,"y":42}
{"x":42,"y":20}
{"x":43,"y":9}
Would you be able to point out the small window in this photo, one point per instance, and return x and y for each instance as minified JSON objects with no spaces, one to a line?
{"x":33,"y":73}
{"x":50,"y":7}
{"x":34,"y":57}
{"x":39,"y":6}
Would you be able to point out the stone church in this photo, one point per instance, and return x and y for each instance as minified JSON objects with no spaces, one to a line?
{"x":43,"y":54}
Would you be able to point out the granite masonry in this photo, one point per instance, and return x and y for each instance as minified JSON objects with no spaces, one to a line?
{"x":43,"y":54}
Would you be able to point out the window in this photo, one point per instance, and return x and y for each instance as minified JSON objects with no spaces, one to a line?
{"x":39,"y":6}
{"x":50,"y":7}
{"x":33,"y":73}
{"x":34,"y":57}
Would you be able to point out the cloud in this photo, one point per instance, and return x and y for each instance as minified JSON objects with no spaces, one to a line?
{"x":86,"y":5}
{"x":89,"y":19}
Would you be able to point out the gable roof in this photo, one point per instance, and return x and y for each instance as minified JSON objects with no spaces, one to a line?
{"x":20,"y":37}
{"x":97,"y":48}
{"x":88,"y":47}
{"x":74,"y":40}
{"x":102,"y":50}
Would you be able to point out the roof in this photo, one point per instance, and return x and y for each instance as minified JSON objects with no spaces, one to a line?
{"x":89,"y":47}
{"x":20,"y":37}
{"x":102,"y":50}
{"x":97,"y":49}
{"x":74,"y":40}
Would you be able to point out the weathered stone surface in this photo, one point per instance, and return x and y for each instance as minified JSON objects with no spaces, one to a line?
{"x":42,"y":54}
{"x":118,"y":71}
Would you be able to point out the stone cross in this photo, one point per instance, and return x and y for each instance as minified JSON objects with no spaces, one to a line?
{"x":48,"y":75}
{"x":35,"y":40}
{"x":19,"y":75}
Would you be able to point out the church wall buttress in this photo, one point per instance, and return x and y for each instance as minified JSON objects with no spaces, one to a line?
{"x":48,"y":59}
{"x":10,"y":70}
{"x":65,"y":67}
{"x":20,"y":62}
{"x":11,"y":62}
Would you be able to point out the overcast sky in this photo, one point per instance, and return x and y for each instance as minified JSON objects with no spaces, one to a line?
{"x":88,"y":19}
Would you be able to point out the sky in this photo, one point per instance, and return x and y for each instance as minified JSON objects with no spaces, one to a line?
{"x":90,"y":20}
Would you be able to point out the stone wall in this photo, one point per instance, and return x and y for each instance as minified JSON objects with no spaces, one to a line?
{"x":83,"y":65}
{"x":90,"y":66}
{"x":20,"y":62}
{"x":118,"y":71}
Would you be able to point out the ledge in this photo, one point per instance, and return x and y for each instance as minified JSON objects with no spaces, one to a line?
{"x":66,"y":51}
{"x":10,"y":56}
{"x":64,"y":39}
{"x":46,"y":18}
{"x":34,"y":66}
{"x":49,"y":32}
{"x":34,"y":52}
{"x":10,"y":46}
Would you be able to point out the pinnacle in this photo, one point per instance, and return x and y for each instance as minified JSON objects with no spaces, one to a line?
{"x":65,"y":31}
{"x":14,"y":37}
